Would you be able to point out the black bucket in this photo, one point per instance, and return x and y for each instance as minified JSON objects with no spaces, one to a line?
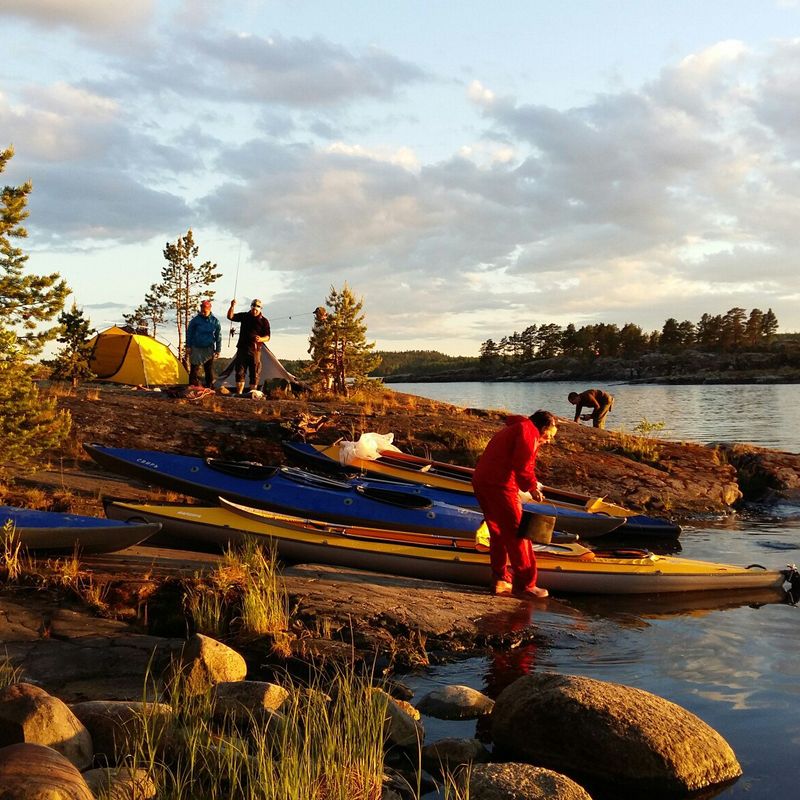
{"x":536,"y":527}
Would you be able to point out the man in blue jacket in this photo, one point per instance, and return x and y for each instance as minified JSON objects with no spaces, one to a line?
{"x":203,"y":344}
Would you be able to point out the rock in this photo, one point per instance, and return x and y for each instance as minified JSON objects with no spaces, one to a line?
{"x":611,"y":734}
{"x":115,"y":724}
{"x":121,"y":784}
{"x":519,"y":782}
{"x":29,"y":714}
{"x":205,"y":661}
{"x":455,"y":702}
{"x":35,"y":772}
{"x":247,"y":702}
{"x":402,"y":724}
{"x":447,"y":754}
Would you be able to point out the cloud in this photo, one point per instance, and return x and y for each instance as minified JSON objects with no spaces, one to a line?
{"x":230,"y":67}
{"x":86,"y":16}
{"x":670,"y":199}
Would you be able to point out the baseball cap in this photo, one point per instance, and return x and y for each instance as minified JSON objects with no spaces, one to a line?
{"x":256,"y":303}
{"x":205,"y":304}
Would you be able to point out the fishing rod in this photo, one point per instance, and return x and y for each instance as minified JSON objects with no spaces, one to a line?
{"x":235,"y":289}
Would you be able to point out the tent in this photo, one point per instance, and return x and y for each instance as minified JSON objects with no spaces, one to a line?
{"x":271,"y":369}
{"x":137,"y":359}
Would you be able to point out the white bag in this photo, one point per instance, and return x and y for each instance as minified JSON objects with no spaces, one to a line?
{"x":367,"y":448}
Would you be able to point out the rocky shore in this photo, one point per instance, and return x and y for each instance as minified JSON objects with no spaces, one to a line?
{"x":81,"y":652}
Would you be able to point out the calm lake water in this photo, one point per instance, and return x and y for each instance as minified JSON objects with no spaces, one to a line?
{"x":763,"y":415}
{"x":732,"y":660}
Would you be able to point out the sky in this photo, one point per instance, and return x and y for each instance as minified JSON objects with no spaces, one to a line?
{"x":468,"y":169}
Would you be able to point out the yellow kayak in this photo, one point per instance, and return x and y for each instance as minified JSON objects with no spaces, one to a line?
{"x":562,"y":567}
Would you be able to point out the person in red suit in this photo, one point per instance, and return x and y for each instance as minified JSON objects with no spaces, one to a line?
{"x":506,"y":468}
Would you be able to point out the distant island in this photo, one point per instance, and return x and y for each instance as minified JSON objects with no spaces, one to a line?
{"x":775,"y":362}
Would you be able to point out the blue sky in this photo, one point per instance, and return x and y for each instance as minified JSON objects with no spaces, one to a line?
{"x":469,"y":169}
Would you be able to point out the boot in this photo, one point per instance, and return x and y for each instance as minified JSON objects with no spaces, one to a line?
{"x":239,"y":387}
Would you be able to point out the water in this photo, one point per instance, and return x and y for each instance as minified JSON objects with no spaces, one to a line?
{"x":753,"y":413}
{"x":732,"y":660}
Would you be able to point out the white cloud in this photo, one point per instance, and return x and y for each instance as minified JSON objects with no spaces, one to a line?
{"x":86,"y":16}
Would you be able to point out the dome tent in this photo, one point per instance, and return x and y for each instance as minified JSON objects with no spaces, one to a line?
{"x":136,"y":359}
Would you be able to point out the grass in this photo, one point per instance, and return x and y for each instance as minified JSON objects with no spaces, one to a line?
{"x":9,"y":672}
{"x":327,"y":743}
{"x":639,"y":446}
{"x":245,"y":594}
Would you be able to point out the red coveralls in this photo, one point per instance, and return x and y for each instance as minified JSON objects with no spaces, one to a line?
{"x":507,"y":467}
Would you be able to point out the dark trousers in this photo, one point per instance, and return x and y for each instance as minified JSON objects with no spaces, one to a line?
{"x":248,"y":361}
{"x":208,"y":369}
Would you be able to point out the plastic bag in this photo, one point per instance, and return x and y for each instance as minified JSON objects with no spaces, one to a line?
{"x":367,"y":448}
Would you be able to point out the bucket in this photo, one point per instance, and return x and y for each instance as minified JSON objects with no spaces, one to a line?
{"x":536,"y":527}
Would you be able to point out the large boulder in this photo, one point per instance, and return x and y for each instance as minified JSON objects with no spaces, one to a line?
{"x":30,"y":714}
{"x":610,"y":734}
{"x":116,"y":725}
{"x":204,"y":662}
{"x":518,"y":782}
{"x":455,"y":702}
{"x":35,"y":772}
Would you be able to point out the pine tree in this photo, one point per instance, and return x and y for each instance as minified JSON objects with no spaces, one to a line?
{"x":25,"y":300}
{"x":29,"y":423}
{"x":149,"y":314}
{"x":184,"y":283}
{"x":338,"y":340}
{"x":72,"y":361}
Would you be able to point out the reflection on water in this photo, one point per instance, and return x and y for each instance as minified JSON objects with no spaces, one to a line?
{"x":730,"y":658}
{"x":725,"y":413}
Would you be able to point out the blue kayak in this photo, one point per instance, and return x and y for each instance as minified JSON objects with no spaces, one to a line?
{"x":54,"y":532}
{"x":570,"y":517}
{"x":290,"y":491}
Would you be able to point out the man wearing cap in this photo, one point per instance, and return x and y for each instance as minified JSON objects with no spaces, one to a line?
{"x":253,"y":332}
{"x":203,"y":344}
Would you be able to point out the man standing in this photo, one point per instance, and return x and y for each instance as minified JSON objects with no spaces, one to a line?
{"x":203,"y":344}
{"x":506,"y":468}
{"x":599,"y":401}
{"x":253,"y":332}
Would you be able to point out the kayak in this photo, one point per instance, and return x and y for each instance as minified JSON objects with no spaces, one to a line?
{"x":452,"y":477}
{"x":54,"y":532}
{"x":568,"y":520}
{"x":289,"y":491}
{"x":562,"y":567}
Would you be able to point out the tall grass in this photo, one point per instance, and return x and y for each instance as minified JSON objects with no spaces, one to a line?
{"x":245,"y":594}
{"x":13,"y":556}
{"x":9,"y":672}
{"x":327,"y":743}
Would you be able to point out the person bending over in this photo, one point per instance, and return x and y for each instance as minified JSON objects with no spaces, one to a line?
{"x":597,"y":400}
{"x":506,"y":468}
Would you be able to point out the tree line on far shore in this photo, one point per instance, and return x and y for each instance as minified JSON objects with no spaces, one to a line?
{"x":734,"y":331}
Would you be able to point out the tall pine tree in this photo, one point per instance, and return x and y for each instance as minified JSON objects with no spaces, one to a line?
{"x":339,"y":344}
{"x":29,"y":423}
{"x":184,"y":283}
{"x":26,"y":301}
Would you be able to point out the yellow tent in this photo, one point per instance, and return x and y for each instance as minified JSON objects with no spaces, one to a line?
{"x":132,"y":358}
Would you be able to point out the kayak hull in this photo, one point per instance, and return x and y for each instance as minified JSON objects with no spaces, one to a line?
{"x":562,"y":568}
{"x":54,"y":532}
